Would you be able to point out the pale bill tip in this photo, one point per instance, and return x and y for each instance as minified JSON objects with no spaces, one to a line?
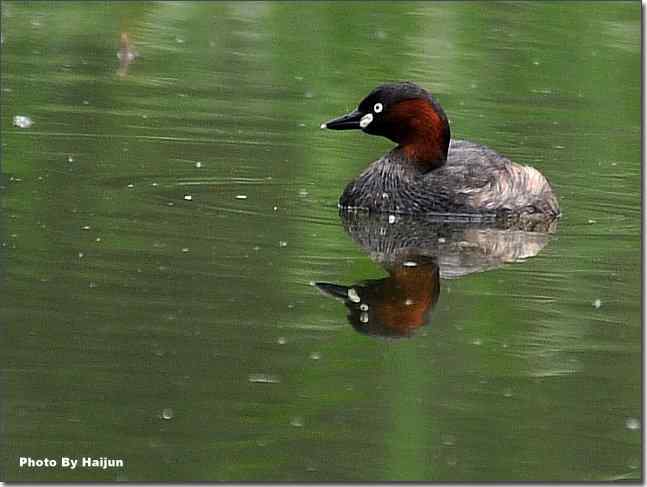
{"x":322,"y":126}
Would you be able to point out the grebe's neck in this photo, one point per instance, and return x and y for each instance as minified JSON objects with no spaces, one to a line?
{"x":421,"y":129}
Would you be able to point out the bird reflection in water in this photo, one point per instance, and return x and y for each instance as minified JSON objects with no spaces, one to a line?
{"x":126,"y":54}
{"x":416,"y":253}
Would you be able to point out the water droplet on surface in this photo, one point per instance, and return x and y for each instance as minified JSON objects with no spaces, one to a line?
{"x":507,"y":392}
{"x":263,"y":379}
{"x":131,"y":185}
{"x":167,"y":413}
{"x":198,"y":165}
{"x":448,"y":439}
{"x":597,"y":303}
{"x":477,"y":341}
{"x":281,"y":340}
{"x":633,"y":463}
{"x":241,"y":196}
{"x":70,"y":159}
{"x":185,"y":249}
{"x":315,"y":356}
{"x":22,"y":121}
{"x":297,"y":422}
{"x":188,"y":197}
{"x":283,"y":243}
{"x":632,"y":424}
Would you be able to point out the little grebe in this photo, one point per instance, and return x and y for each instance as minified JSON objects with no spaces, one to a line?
{"x":427,"y":173}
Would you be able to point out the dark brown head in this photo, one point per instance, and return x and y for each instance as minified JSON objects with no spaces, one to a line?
{"x":406,"y":114}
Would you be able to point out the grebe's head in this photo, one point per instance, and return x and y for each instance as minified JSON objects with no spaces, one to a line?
{"x":406,"y":114}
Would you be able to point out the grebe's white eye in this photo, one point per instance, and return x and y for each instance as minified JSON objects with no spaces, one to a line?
{"x":377,"y":108}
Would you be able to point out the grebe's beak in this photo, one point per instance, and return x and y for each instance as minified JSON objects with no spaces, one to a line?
{"x":345,"y":122}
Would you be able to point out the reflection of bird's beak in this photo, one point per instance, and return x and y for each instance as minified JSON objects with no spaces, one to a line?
{"x":345,"y":122}
{"x":334,"y":290}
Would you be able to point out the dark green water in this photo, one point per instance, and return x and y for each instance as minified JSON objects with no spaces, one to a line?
{"x":185,"y":337}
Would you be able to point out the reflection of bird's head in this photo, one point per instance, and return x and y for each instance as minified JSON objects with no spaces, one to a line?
{"x":394,"y":306}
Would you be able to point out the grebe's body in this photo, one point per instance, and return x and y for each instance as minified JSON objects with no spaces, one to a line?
{"x":428,"y":173}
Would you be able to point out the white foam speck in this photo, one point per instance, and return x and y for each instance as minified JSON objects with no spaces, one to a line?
{"x":632,"y":424}
{"x":297,"y":422}
{"x":264,"y":379}
{"x":22,"y":122}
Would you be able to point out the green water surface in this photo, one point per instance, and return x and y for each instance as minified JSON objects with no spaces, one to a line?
{"x":162,"y":222}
